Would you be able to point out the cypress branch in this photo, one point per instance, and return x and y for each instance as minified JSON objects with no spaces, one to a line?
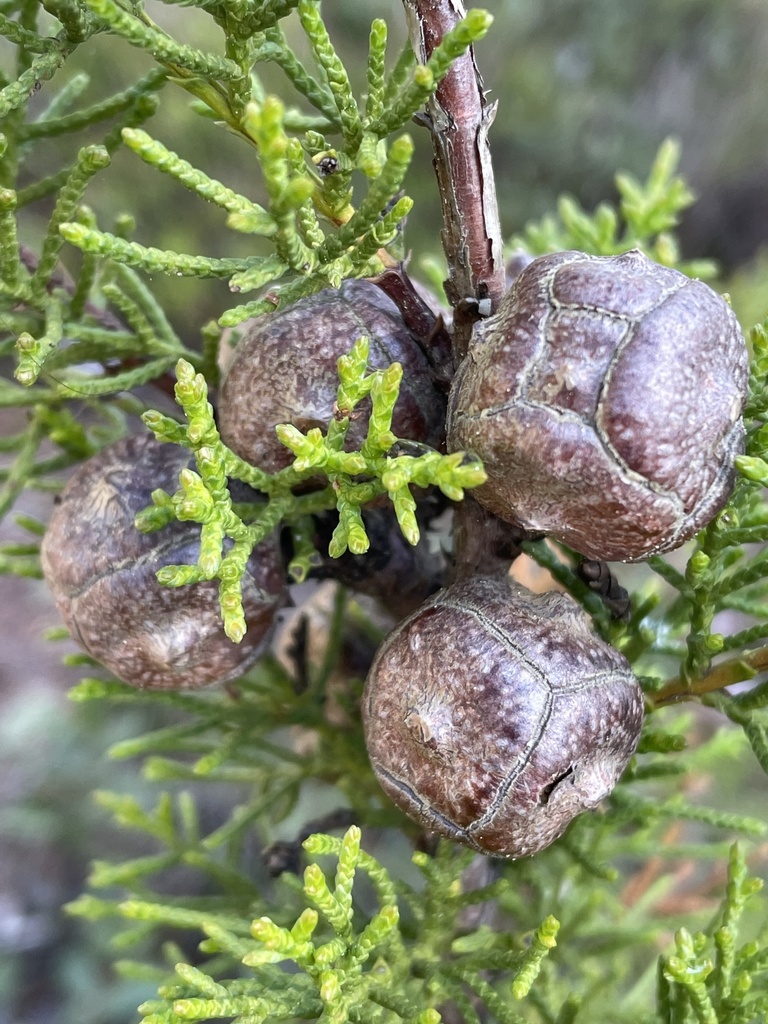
{"x":393,"y":945}
{"x":42,"y":68}
{"x":335,"y":74}
{"x":319,"y":95}
{"x":154,"y":261}
{"x":144,"y":34}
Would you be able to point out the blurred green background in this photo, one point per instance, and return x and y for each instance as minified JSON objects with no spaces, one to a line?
{"x":584,"y":88}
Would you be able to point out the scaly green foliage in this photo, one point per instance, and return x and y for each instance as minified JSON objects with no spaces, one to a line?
{"x":646,"y":215}
{"x":43,"y":311}
{"x":204,"y":497}
{"x":441,"y":935}
{"x":581,"y":933}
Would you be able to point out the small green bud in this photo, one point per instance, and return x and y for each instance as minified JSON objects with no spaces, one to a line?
{"x":202,"y":431}
{"x":164,"y":428}
{"x":177,"y":575}
{"x":153,"y":518}
{"x":697,"y":569}
{"x":405,"y":510}
{"x":125,"y":225}
{"x":547,"y":933}
{"x":314,"y":880}
{"x":675,"y":966}
{"x":266,"y":931}
{"x":428,"y":1017}
{"x":423,"y":77}
{"x":231,"y":570}
{"x":395,"y":478}
{"x":740,"y":985}
{"x":380,"y":926}
{"x":330,"y":988}
{"x":714,"y":643}
{"x":231,"y":604}
{"x":684,"y":941}
{"x":329,"y":952}
{"x":357,"y":540}
{"x":305,"y":925}
{"x":25,"y":376}
{"x":350,"y":463}
{"x":383,"y":441}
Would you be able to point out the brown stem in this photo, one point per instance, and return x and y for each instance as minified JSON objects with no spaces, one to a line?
{"x":735,"y":670}
{"x":482,"y":543}
{"x":424,"y":323}
{"x":459,"y":118}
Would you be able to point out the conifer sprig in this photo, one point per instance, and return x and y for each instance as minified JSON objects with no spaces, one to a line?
{"x":203,"y":497}
{"x":57,"y":122}
{"x":400,"y":951}
{"x":347,"y":968}
{"x":644,"y":218}
{"x":141,"y":32}
{"x":317,"y":93}
{"x":298,"y":195}
{"x":223,"y":739}
{"x":241,"y":210}
{"x":708,"y":977}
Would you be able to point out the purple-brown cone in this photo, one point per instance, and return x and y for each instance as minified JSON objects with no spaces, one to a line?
{"x":494,"y":715}
{"x":101,"y":571}
{"x":285,"y":371}
{"x":605,"y":400}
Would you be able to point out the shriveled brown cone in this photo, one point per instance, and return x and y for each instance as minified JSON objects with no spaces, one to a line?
{"x":494,"y":716}
{"x":101,"y":570}
{"x":605,"y":399}
{"x":399,"y":575}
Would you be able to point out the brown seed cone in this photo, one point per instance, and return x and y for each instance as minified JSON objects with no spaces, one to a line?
{"x":285,"y":371}
{"x":400,"y":576}
{"x":101,"y":571}
{"x":605,"y":400}
{"x":494,"y":716}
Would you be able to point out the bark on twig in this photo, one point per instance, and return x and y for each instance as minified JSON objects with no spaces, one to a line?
{"x":459,"y":119}
{"x":743,"y":666}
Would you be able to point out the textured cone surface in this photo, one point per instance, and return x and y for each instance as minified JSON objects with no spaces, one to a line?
{"x":605,"y":401}
{"x":285,"y":371}
{"x":101,"y":570}
{"x":494,"y":716}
